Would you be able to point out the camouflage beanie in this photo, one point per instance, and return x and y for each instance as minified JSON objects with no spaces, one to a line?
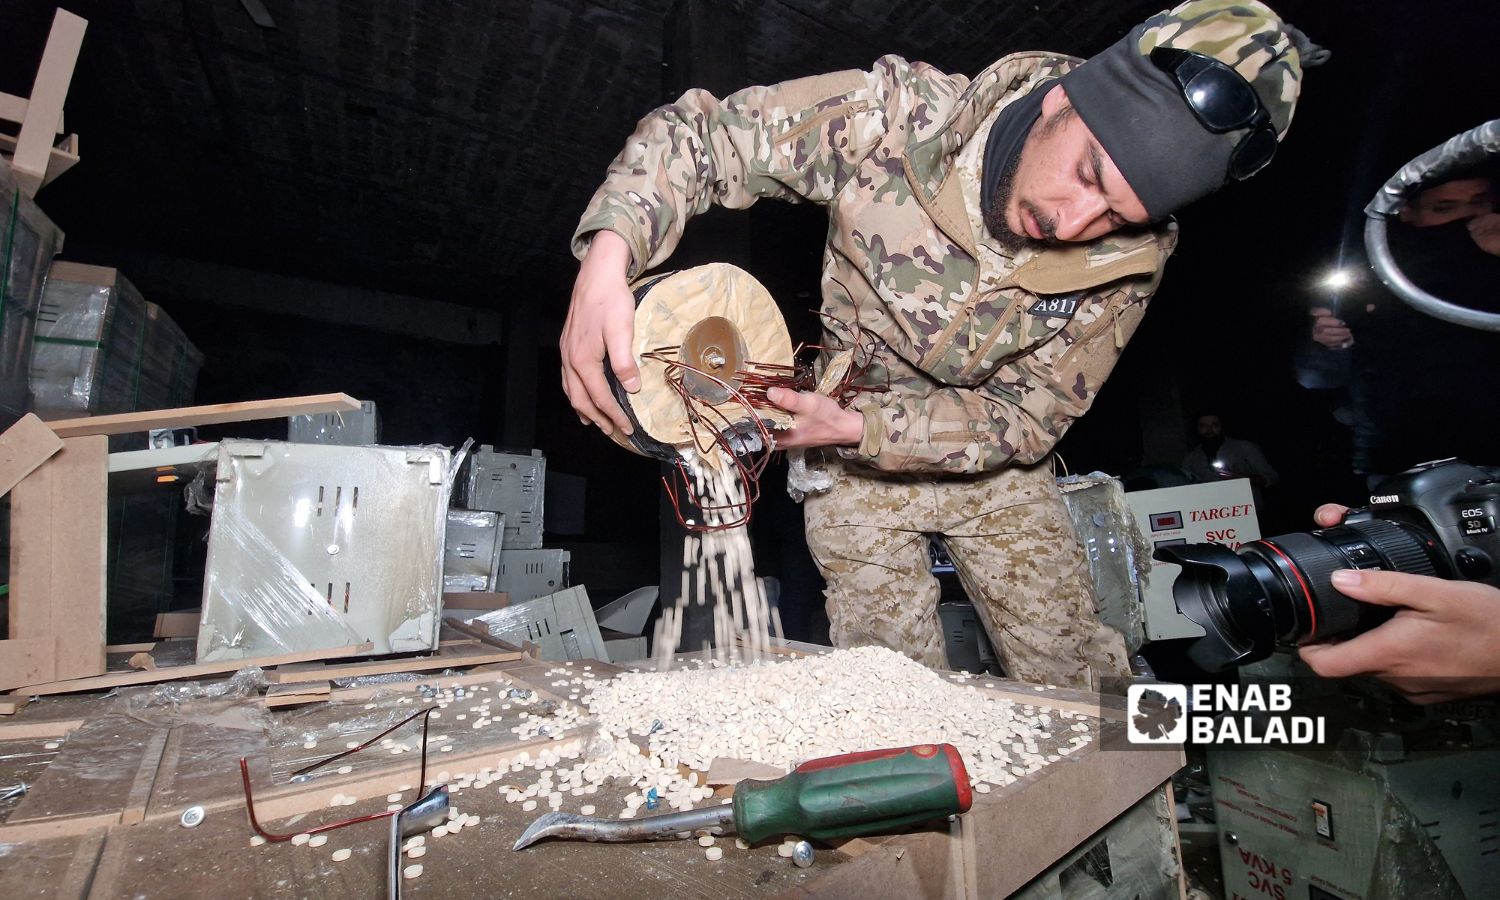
{"x":1139,"y":114}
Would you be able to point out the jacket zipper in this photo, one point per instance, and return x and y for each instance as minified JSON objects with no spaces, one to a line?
{"x":945,"y":340}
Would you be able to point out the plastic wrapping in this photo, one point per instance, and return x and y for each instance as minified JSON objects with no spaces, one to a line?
{"x":28,"y":241}
{"x":471,"y":550}
{"x":346,"y":429}
{"x":1407,"y":826}
{"x":561,"y":624}
{"x":513,"y":485}
{"x":102,"y":348}
{"x":315,"y":546}
{"x":1136,"y":856}
{"x":1117,"y":552}
{"x":186,"y":702}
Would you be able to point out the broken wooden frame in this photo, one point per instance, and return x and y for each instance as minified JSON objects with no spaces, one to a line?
{"x":57,"y":476}
{"x":37,"y":154}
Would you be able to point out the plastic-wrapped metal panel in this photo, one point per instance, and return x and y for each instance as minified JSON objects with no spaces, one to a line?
{"x":561,"y":624}
{"x":511,"y":484}
{"x":471,"y":550}
{"x":1116,"y":551}
{"x":314,"y":546}
{"x":28,"y":241}
{"x":527,"y":574}
{"x":348,"y":429}
{"x":90,"y":338}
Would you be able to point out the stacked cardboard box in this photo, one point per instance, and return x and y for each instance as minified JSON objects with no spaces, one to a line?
{"x":103,"y":348}
{"x":28,"y":241}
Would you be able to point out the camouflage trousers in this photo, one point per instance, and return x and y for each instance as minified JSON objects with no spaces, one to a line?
{"x":1015,"y":552}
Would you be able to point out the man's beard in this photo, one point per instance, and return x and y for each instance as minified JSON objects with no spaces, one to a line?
{"x":994,"y":217}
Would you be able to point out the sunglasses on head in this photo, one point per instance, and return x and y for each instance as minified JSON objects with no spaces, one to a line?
{"x":1222,"y":101}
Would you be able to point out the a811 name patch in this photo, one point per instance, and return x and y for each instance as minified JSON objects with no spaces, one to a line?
{"x":1061,"y":307}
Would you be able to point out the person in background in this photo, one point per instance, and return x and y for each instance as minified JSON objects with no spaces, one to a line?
{"x":1219,"y":457}
{"x":1411,"y":381}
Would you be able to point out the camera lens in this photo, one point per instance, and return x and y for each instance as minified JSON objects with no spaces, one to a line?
{"x":1278,"y":590}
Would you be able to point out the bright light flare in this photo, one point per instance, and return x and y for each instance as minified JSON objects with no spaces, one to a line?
{"x":1338,"y":279}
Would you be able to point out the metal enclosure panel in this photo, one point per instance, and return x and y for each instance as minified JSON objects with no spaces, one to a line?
{"x":471,"y":550}
{"x":346,"y":429}
{"x":1297,"y":824}
{"x":511,"y":484}
{"x":315,"y":546}
{"x":561,"y":624}
{"x":1112,"y":545}
{"x":528,"y":574}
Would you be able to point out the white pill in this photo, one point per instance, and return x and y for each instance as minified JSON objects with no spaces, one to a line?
{"x":529,"y":805}
{"x":714,"y":854}
{"x":416,"y":853}
{"x":587,"y":809}
{"x":309,"y":745}
{"x":345,"y":770}
{"x":51,"y":745}
{"x":393,"y":798}
{"x":256,"y":840}
{"x":317,"y":840}
{"x":300,"y":839}
{"x":412,"y":871}
{"x":706,"y":840}
{"x":341,"y":855}
{"x":742,"y":843}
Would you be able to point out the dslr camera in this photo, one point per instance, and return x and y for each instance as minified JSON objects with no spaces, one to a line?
{"x":1438,"y":518}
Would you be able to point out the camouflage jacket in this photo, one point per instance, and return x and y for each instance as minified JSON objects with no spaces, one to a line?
{"x":988,"y":357}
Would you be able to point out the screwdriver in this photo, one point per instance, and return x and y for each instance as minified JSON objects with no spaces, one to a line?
{"x":833,"y":797}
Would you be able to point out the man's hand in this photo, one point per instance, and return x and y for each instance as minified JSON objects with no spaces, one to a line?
{"x":1329,"y":330}
{"x":820,"y":421}
{"x":1440,"y":644}
{"x":1485,"y":230}
{"x":601,"y":319}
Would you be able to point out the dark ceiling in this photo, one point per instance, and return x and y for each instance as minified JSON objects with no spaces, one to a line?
{"x":445,"y":149}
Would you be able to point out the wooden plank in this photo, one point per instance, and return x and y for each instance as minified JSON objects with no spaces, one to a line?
{"x":177,"y":624}
{"x":62,"y":157}
{"x":80,"y":873}
{"x":197,"y":670}
{"x":25,"y":661}
{"x":146,"y":647}
{"x":384,"y":667}
{"x":23,"y":447}
{"x":145,"y":777}
{"x":45,"y":728}
{"x":57,"y":561}
{"x":217,"y":414}
{"x":45,"y":105}
{"x":278,"y":695}
{"x":13,"y":109}
{"x":77,"y":598}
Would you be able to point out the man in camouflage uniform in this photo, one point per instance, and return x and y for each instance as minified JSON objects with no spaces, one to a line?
{"x":1002,"y":236}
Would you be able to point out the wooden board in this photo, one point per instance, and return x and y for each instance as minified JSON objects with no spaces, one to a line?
{"x":57,"y":559}
{"x":182,"y":417}
{"x":383,"y":667}
{"x":45,"y":105}
{"x":23,"y":447}
{"x":279,"y":695}
{"x":196,"y":670}
{"x":182,"y":624}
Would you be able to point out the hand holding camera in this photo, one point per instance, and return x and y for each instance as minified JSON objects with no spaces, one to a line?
{"x":1414,"y":575}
